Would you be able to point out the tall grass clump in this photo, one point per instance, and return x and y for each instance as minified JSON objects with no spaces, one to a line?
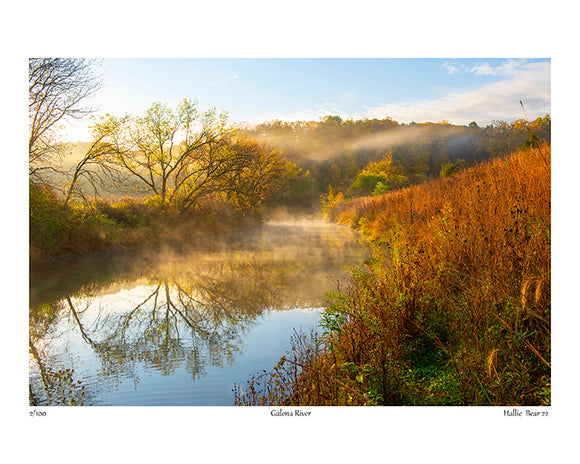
{"x":454,"y":306}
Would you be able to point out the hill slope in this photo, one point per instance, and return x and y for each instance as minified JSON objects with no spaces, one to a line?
{"x":454,"y":307}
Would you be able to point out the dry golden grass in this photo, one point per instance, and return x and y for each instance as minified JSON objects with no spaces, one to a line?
{"x":470,"y":256}
{"x":454,"y":306}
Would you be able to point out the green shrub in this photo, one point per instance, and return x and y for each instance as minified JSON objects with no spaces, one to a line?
{"x":58,"y":229}
{"x":49,"y":221}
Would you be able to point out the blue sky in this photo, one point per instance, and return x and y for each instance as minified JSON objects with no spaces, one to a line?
{"x":262,"y":89}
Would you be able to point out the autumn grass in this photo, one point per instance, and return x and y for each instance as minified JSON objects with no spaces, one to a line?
{"x":454,"y":306}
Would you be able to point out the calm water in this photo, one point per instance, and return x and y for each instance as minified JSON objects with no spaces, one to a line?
{"x":180,"y":325}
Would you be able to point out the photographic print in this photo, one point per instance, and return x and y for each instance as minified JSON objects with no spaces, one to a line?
{"x":290,"y":232}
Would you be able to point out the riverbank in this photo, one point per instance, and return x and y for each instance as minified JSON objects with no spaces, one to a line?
{"x":61,"y":231}
{"x":454,"y":306}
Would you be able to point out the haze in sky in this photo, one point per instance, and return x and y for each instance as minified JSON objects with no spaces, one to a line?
{"x":262,"y":89}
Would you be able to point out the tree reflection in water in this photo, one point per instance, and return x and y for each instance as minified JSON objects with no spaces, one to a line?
{"x":190,"y":313}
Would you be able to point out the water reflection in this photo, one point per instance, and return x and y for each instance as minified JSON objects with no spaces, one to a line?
{"x":173,"y":314}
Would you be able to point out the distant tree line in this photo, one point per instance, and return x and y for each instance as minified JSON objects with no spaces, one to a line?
{"x":360,"y":157}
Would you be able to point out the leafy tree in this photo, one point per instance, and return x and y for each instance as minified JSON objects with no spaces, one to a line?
{"x":380,"y":189}
{"x":333,"y":120}
{"x":254,"y":175}
{"x":329,"y":201}
{"x":296,"y":188}
{"x":448,"y":169}
{"x":183,"y":155}
{"x":542,"y":127}
{"x":366,"y":182}
{"x":384,"y":172}
{"x":165,"y":151}
{"x":536,"y":131}
{"x":451,"y":168}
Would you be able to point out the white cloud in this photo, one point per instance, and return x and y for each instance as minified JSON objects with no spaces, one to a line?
{"x":483,"y":68}
{"x":496,"y":101}
{"x":507,"y":68}
{"x":451,"y":68}
{"x":221,"y":79}
{"x":232,"y":78}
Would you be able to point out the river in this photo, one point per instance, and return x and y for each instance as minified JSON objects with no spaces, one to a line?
{"x":179,"y":326}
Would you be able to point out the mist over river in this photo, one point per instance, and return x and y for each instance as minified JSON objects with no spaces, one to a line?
{"x":180,"y":325}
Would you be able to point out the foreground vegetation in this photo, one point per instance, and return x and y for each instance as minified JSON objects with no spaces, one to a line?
{"x":452,"y":309}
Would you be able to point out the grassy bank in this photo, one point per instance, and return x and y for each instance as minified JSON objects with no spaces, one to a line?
{"x":453,"y":308}
{"x":58,"y":229}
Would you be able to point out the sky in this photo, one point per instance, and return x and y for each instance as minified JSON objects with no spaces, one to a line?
{"x":254,"y":90}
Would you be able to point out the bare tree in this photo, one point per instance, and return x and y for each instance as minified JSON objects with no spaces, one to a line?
{"x":57,"y":89}
{"x":94,"y":169}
